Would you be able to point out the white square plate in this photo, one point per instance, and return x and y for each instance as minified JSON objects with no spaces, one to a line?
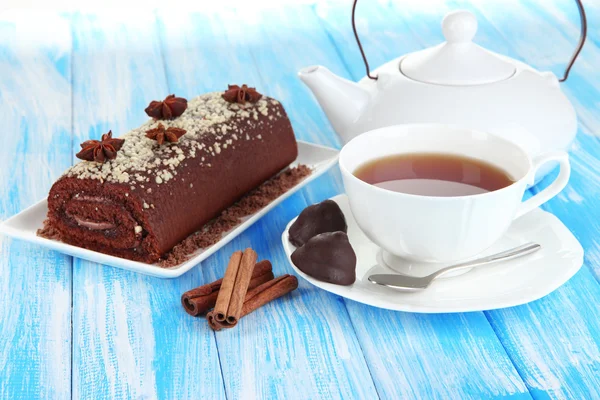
{"x":25,"y":224}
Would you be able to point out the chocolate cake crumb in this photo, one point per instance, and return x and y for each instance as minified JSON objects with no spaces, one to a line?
{"x":230,"y":217}
{"x":48,"y":232}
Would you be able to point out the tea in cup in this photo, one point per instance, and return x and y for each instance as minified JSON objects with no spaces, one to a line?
{"x":439,"y":193}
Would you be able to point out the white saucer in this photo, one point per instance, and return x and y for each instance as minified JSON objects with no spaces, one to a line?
{"x":25,"y":224}
{"x":489,"y":287}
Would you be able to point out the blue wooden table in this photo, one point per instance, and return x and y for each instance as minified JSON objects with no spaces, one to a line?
{"x":74,"y":329}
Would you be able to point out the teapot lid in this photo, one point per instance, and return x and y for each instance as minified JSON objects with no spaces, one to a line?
{"x":458,"y":61}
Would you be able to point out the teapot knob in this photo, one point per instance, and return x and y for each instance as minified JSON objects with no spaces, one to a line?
{"x":459,"y":26}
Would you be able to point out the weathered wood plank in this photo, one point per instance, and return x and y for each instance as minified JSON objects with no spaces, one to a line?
{"x":35,"y":284}
{"x":566,"y":14}
{"x":131,"y":337}
{"x":303,"y":346}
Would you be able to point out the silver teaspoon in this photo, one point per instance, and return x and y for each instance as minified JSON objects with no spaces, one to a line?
{"x":412,"y":283}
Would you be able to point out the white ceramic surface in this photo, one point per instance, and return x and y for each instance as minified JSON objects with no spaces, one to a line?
{"x":481,"y":90}
{"x":442,"y":229}
{"x":25,"y":224}
{"x":497,"y":286}
{"x":457,"y":61}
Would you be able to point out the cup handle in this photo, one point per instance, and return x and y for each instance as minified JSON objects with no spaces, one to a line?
{"x":554,"y":188}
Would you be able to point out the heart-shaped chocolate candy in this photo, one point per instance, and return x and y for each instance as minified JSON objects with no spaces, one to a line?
{"x":328,"y":257}
{"x":318,"y":218}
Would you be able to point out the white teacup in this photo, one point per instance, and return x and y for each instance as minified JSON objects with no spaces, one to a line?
{"x":442,"y":229}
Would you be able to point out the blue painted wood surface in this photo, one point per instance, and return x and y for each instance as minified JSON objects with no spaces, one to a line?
{"x":71,"y":328}
{"x":35,"y":284}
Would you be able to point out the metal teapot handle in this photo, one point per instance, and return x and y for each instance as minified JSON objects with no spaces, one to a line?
{"x":362,"y":52}
{"x":582,"y":37}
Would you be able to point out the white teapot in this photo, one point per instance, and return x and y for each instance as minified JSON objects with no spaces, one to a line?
{"x":455,"y":82}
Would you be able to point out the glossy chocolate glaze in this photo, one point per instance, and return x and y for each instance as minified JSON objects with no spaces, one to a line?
{"x":328,"y":257}
{"x":325,"y":216}
{"x":158,"y":195}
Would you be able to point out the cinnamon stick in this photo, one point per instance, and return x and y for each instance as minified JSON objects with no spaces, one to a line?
{"x":212,"y":322}
{"x":269,"y":291}
{"x":201,"y":299}
{"x":199,"y":305}
{"x":227,"y":286}
{"x":242,"y":282}
{"x":258,"y":297}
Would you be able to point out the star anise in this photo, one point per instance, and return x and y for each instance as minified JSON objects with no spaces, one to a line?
{"x":236,"y":94}
{"x":170,"y":107}
{"x":100,"y":150}
{"x":160,"y":134}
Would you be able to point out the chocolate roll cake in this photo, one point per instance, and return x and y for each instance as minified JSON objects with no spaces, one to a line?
{"x":170,"y":176}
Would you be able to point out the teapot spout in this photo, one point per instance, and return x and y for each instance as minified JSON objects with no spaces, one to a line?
{"x":342,"y":100}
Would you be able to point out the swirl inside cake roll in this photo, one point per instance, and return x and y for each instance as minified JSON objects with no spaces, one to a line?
{"x":100,"y":217}
{"x":111,"y":221}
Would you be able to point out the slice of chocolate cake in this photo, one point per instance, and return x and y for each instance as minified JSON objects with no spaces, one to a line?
{"x":170,"y":176}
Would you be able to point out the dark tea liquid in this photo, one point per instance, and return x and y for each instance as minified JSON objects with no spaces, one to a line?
{"x":433,"y":174}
